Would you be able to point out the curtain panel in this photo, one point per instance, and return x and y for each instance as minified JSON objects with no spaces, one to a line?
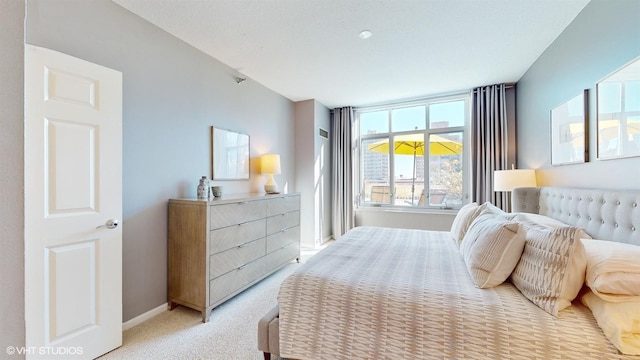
{"x":342,"y":166}
{"x":492,"y":142}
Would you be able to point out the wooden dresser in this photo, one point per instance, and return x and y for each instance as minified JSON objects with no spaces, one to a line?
{"x":220,"y":247}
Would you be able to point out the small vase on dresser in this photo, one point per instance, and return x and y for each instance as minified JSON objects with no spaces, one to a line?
{"x":203,"y":189}
{"x":220,"y":247}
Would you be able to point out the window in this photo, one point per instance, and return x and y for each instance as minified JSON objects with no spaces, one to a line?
{"x":427,"y":142}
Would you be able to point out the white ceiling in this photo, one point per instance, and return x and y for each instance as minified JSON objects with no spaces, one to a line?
{"x":310,"y":49}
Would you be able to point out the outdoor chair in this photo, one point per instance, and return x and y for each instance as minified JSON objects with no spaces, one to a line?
{"x":437,"y":198}
{"x":380,"y":194}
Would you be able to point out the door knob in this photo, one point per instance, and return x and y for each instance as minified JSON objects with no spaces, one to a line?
{"x":110,"y":224}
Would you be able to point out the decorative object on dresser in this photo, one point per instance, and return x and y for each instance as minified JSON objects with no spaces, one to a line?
{"x":218,"y":248}
{"x":203,"y":189}
{"x":270,"y":165}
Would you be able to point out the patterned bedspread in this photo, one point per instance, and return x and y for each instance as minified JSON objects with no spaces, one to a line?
{"x":381,"y":293}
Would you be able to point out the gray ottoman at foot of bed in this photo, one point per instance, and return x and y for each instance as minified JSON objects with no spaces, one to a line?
{"x":268,"y":333}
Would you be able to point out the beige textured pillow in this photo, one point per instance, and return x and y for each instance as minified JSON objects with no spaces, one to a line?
{"x":491,"y":249}
{"x":544,"y":221}
{"x":620,"y":322}
{"x":551,"y":269}
{"x":613,"y":270}
{"x":462,"y":221}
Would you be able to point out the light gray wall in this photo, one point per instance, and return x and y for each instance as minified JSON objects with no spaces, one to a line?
{"x":602,"y":38}
{"x":12,"y":176}
{"x":313,"y":172}
{"x":172,"y":95}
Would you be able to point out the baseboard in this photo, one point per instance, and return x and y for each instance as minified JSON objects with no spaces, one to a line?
{"x":144,"y":317}
{"x":324,"y":242}
{"x":327,"y":239}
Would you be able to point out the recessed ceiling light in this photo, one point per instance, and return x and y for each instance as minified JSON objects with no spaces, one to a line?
{"x":364,"y":34}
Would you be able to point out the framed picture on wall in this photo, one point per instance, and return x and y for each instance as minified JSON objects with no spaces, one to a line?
{"x":618,"y":109}
{"x":569,"y":131}
{"x":230,"y":155}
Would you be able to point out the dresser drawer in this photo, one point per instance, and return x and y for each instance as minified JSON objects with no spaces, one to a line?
{"x":282,"y":238}
{"x":232,"y":236}
{"x":224,"y":285}
{"x":282,"y":256}
{"x":223,"y":262}
{"x":282,"y":205}
{"x":231,"y":214}
{"x":283,"y":221}
{"x":254,"y":272}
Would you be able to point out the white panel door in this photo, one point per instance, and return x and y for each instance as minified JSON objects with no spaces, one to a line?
{"x":73,"y":185}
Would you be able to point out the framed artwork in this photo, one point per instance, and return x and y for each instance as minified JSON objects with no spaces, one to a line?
{"x":569,"y":131}
{"x":618,"y":109}
{"x":230,"y":155}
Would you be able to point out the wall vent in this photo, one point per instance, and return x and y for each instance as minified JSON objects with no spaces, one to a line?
{"x":323,"y":133}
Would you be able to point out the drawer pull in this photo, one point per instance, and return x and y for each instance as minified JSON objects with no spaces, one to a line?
{"x":242,"y":223}
{"x":242,"y":245}
{"x":242,"y":266}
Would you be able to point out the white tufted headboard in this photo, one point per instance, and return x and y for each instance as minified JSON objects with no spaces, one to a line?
{"x":604,"y":214}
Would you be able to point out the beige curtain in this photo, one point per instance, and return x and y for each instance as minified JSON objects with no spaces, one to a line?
{"x":492,"y":142}
{"x":342,"y":166}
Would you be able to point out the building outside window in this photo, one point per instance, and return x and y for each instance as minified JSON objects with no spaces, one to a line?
{"x":413,"y":154}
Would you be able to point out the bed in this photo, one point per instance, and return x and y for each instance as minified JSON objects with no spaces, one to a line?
{"x":382,"y":293}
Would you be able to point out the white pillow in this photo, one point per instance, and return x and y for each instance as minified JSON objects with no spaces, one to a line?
{"x":620,"y":322}
{"x":491,"y":249}
{"x":613,"y":270}
{"x":544,"y":221}
{"x":462,"y":221}
{"x":551,"y":269}
{"x":488,"y":207}
{"x":467,"y":217}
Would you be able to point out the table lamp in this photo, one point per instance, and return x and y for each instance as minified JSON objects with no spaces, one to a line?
{"x":270,"y":165}
{"x":507,"y":180}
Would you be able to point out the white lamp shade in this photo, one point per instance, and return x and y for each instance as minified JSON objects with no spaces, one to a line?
{"x":507,"y":180}
{"x":270,"y":164}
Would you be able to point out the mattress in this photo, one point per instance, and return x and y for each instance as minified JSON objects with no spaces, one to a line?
{"x":381,"y":293}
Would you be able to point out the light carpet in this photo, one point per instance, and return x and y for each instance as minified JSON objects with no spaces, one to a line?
{"x":231,"y":333}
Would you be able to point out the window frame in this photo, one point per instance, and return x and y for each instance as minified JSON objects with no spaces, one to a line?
{"x":389,"y":108}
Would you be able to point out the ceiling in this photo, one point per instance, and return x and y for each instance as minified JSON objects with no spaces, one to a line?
{"x":310,"y":49}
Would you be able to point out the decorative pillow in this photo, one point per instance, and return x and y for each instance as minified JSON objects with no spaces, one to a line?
{"x":491,"y":249}
{"x":488,"y":207}
{"x":620,"y":322}
{"x":613,"y":270}
{"x":464,"y":218}
{"x":462,"y":221}
{"x":544,"y":221}
{"x":551,"y":269}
